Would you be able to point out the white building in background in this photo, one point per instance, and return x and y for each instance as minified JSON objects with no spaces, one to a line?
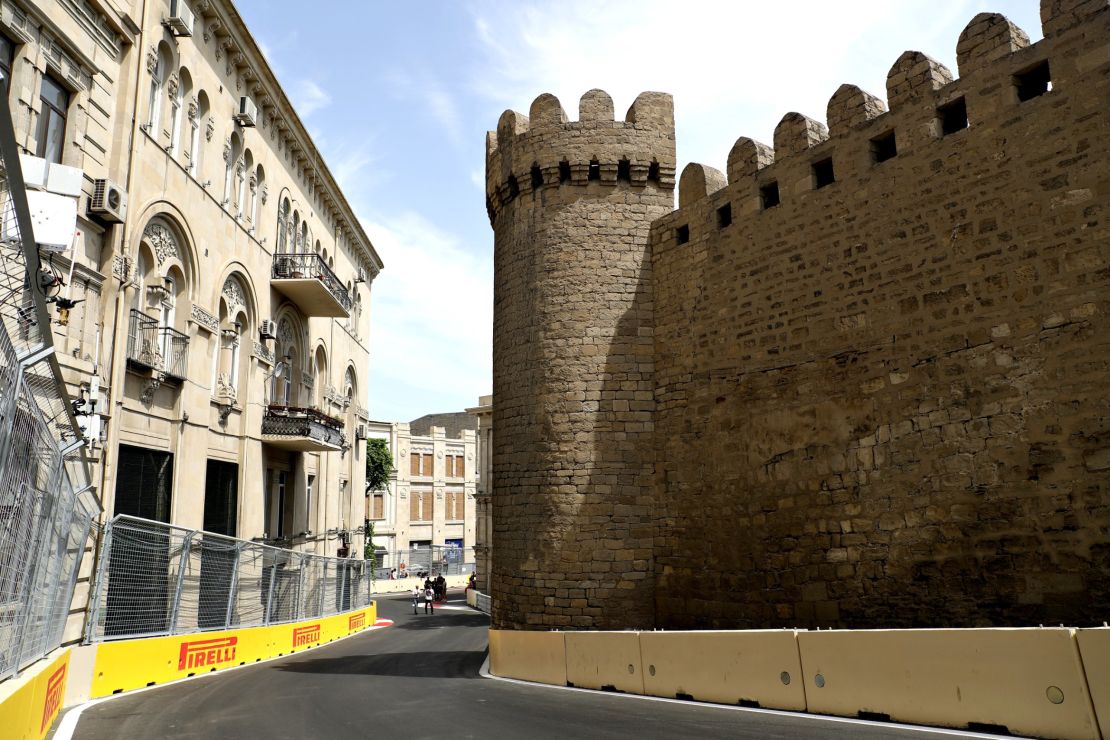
{"x":430,"y":500}
{"x":483,"y":504}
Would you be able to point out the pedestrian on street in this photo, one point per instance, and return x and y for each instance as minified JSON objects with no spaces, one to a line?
{"x":417,"y":595}
{"x":441,"y":588}
{"x":429,"y":600}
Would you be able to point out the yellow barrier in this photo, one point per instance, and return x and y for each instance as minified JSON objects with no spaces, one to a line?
{"x":1029,"y":680}
{"x":131,"y":664}
{"x":1094,"y":647}
{"x":529,"y":656}
{"x":759,"y":667}
{"x":597,"y":660}
{"x":29,"y":704}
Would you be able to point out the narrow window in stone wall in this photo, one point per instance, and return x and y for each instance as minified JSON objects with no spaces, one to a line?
{"x":564,"y":172}
{"x":54,"y":100}
{"x":1033,"y":82}
{"x":537,"y":177}
{"x":414,"y":464}
{"x":682,"y":234}
{"x":953,"y":117}
{"x":429,"y":469}
{"x":884,"y":147}
{"x":377,"y":508}
{"x":724,"y":216}
{"x":769,"y":195}
{"x":624,"y":170}
{"x":823,"y":173}
{"x":653,"y":172}
{"x":514,"y":187}
{"x":414,"y":506}
{"x":460,"y":467}
{"x":595,"y":170}
{"x":455,"y":506}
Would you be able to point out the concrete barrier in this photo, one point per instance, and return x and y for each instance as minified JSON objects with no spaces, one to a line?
{"x":1029,"y":680}
{"x":404,"y":585}
{"x":529,"y":656}
{"x":1094,"y":649}
{"x":30,"y":703}
{"x":131,"y":664}
{"x":605,"y":660}
{"x":755,"y":668}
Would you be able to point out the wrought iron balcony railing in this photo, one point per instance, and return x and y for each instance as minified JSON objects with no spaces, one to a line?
{"x":155,"y":347}
{"x":306,"y":278}
{"x":294,"y":427}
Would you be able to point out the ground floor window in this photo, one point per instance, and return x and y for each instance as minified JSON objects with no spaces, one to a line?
{"x":275,"y":503}
{"x":144,"y":483}
{"x":221,"y":498}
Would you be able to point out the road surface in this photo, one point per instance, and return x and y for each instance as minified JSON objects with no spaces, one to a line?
{"x":420,"y":679}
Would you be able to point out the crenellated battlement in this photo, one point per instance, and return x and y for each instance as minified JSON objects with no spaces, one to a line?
{"x":546,"y":150}
{"x":927,"y":104}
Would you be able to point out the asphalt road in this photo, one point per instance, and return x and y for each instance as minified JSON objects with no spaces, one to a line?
{"x":419,"y":679}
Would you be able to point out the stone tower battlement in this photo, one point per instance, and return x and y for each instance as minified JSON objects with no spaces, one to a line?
{"x":545,"y":150}
{"x":856,"y":380}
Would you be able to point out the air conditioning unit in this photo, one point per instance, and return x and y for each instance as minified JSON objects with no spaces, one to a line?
{"x":109,"y":201}
{"x":248,"y":112}
{"x":360,"y":431}
{"x":268,"y":329}
{"x":180,"y":20}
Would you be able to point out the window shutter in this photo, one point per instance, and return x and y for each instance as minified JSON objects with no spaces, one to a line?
{"x":414,"y":506}
{"x":429,"y":470}
{"x":414,"y":464}
{"x":428,"y":498}
{"x":460,"y":468}
{"x":379,"y":506}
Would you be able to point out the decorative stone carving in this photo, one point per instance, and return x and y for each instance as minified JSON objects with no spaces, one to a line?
{"x":204,"y":320}
{"x":147,"y":396}
{"x":194,"y":109}
{"x":172,"y":85}
{"x":225,"y":391}
{"x":163,"y":241}
{"x":227,"y":151}
{"x":209,"y":130}
{"x":152,"y":60}
{"x":121,"y":267}
{"x":264,"y":193}
{"x":307,"y":379}
{"x":262,"y":352}
{"x":233,"y":293}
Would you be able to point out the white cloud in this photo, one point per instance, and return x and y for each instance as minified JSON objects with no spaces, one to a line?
{"x":734,"y":68}
{"x":431,"y":320}
{"x":425,"y":88}
{"x":308,"y":97}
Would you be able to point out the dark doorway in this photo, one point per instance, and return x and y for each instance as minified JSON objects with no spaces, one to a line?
{"x":218,"y":557}
{"x":139,"y":588}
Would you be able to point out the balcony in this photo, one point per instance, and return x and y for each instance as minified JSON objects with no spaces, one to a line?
{"x":307,"y":280}
{"x":301,"y":430}
{"x":156,"y":349}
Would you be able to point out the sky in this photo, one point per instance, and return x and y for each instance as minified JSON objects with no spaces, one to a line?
{"x":398,"y":97}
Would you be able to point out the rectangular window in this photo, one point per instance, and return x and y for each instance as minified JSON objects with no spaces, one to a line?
{"x":884,"y":147}
{"x":953,"y":117}
{"x":420,"y":506}
{"x":309,"y":513}
{"x":1033,"y":82}
{"x":456,"y":506}
{"x":460,"y":467}
{"x":377,"y":507}
{"x":724,"y":216}
{"x":682,"y":234}
{"x":414,"y":464}
{"x":221,"y":498}
{"x":52,"y":120}
{"x":7,"y":58}
{"x":823,"y":173}
{"x":429,"y":466}
{"x":769,"y":195}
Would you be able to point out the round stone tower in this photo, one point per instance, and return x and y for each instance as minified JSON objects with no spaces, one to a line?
{"x":571,"y":204}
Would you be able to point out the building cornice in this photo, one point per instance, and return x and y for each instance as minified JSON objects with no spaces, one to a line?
{"x":245,"y":54}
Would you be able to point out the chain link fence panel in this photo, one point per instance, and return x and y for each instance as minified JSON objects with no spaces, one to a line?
{"x":160,"y":579}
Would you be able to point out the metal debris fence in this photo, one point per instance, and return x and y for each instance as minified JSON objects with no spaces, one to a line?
{"x":422,"y":561}
{"x":160,"y":579}
{"x":46,"y":507}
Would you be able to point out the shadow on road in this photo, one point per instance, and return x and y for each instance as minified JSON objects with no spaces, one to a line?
{"x":440,"y":664}
{"x":441,"y":618}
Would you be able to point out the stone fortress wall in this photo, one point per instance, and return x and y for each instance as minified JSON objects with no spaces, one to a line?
{"x":880,"y":361}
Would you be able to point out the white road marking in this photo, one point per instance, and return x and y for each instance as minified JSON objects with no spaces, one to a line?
{"x":484,"y":673}
{"x":73,"y":715}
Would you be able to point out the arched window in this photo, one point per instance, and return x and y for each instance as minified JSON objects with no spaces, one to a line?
{"x":181,"y":87}
{"x":283,"y":226}
{"x":320,"y":377}
{"x":198,"y":119}
{"x":234,"y":327}
{"x":242,"y":173}
{"x":258,"y":192}
{"x":283,"y":387}
{"x":160,"y":66}
{"x":232,"y":159}
{"x":295,"y":237}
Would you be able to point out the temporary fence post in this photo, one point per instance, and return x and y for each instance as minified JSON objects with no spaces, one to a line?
{"x":232,"y":591}
{"x":344,"y":572}
{"x":101,"y":575}
{"x":270,"y":592}
{"x":323,"y":590}
{"x":302,"y":594}
{"x":182,"y":561}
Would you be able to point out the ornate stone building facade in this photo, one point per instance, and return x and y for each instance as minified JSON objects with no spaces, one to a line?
{"x":859,"y":380}
{"x":221,"y":279}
